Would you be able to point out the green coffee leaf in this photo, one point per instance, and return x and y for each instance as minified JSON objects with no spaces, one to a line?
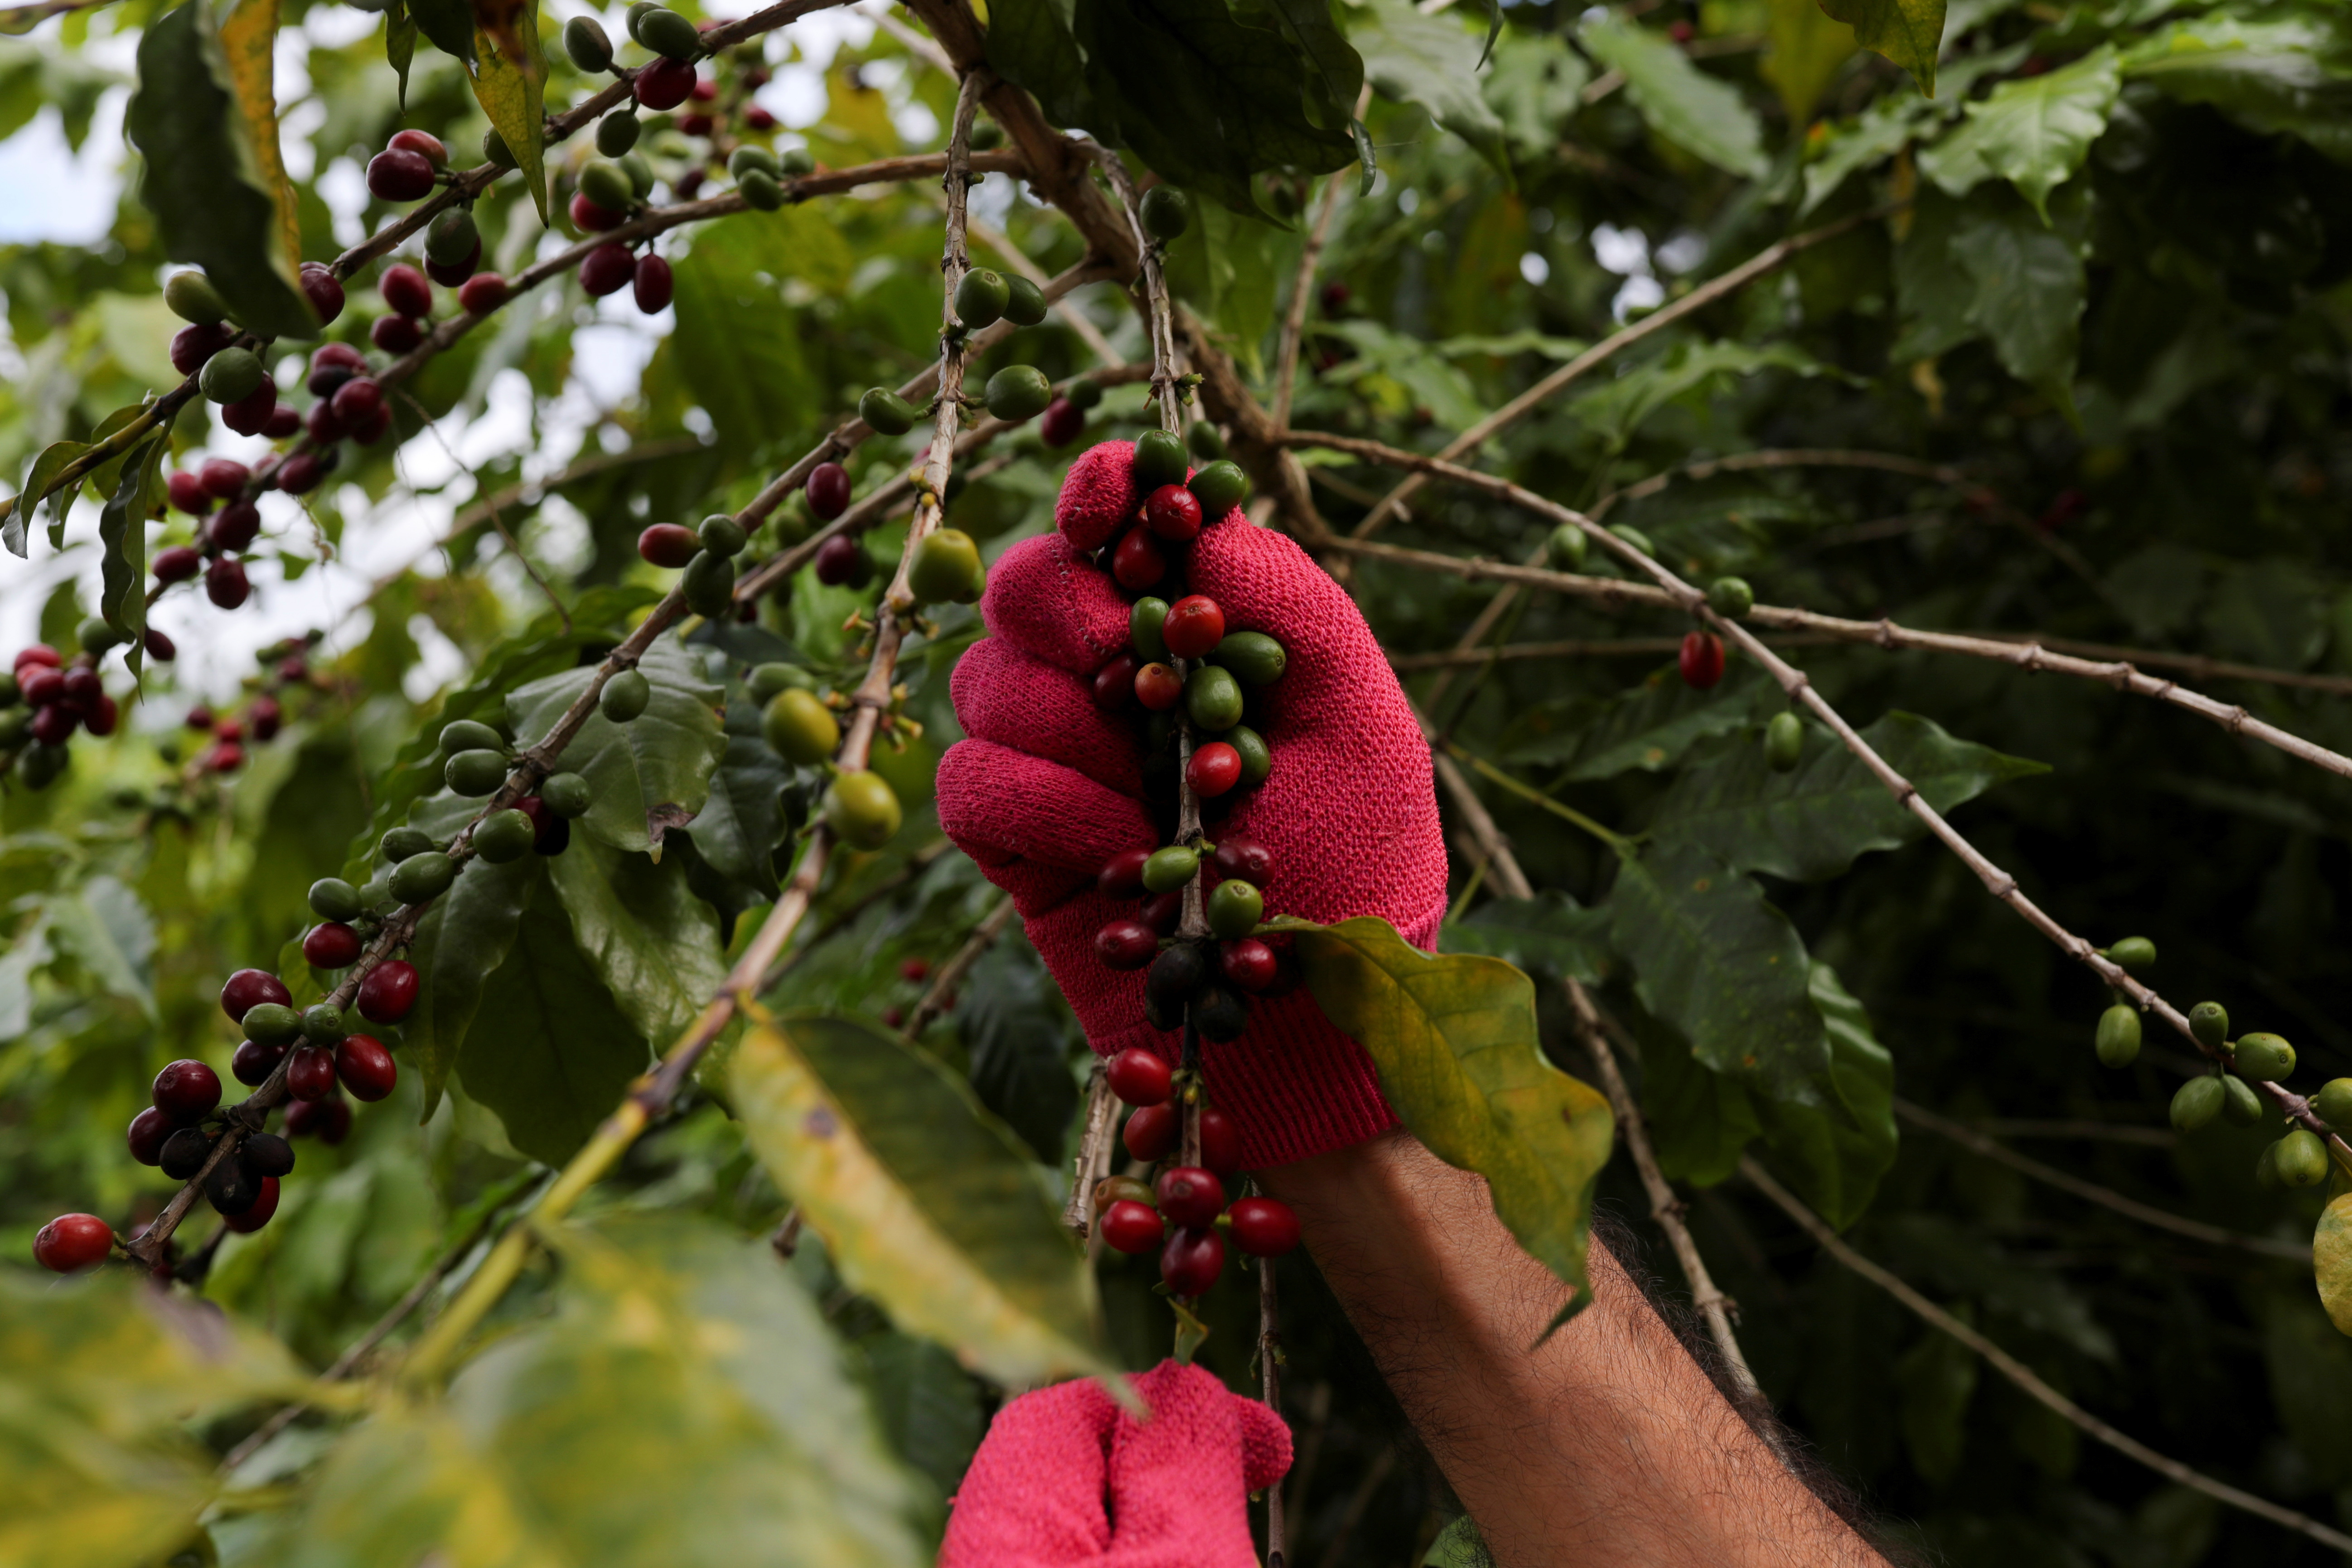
{"x":1810,"y":48}
{"x":739,"y":828}
{"x":1809,"y":825}
{"x":1648,"y":727}
{"x":1432,"y":61}
{"x":1453,"y":1039}
{"x":1550,"y":933}
{"x":1836,"y":1141}
{"x":2033,"y":132}
{"x":399,"y":43}
{"x":122,"y":536}
{"x":203,"y":180}
{"x":925,"y":1201}
{"x":1617,"y":410}
{"x":508,"y":70}
{"x":1908,"y":32}
{"x":650,"y":774}
{"x":2275,"y":75}
{"x":2028,"y":282}
{"x":1015,"y":1034}
{"x":1334,"y":72}
{"x":1702,"y":115}
{"x":739,"y":342}
{"x":449,"y":24}
{"x":654,"y":943}
{"x":1030,"y":43}
{"x":40,"y":482}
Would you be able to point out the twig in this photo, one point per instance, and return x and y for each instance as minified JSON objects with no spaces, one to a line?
{"x":1617,"y":343}
{"x":1302,"y":288}
{"x":2099,"y":1131}
{"x":1269,"y":1361}
{"x":1789,"y":457}
{"x":2091,"y":1192}
{"x":1664,"y":1206}
{"x":2018,"y":1372}
{"x":1501,"y":863}
{"x":1102,"y":1108}
{"x":916,"y":864}
{"x":940,"y":994}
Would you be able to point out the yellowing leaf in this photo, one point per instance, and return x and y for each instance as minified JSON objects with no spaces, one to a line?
{"x":925,"y":1201}
{"x":1453,"y":1039}
{"x":2331,"y":1261}
{"x":248,"y":36}
{"x":510,"y":77}
{"x":1908,"y":32}
{"x":1809,"y":49}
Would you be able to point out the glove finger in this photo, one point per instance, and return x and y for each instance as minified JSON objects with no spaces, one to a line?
{"x":1265,"y":1438}
{"x":1176,"y":1489}
{"x":1047,"y":601}
{"x":1098,"y":495}
{"x":1019,"y":701}
{"x":1033,"y":1496}
{"x":1039,"y":829}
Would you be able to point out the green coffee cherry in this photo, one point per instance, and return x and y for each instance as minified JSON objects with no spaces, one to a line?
{"x":745,"y":159}
{"x":15,"y":723}
{"x":1219,"y":487}
{"x":322,"y":1023}
{"x":1234,"y":908}
{"x":423,"y":877}
{"x":625,"y":694}
{"x":2266,"y":1175}
{"x":887,"y":412}
{"x":986,"y":135}
{"x":605,"y":185}
{"x":2240,"y":1105}
{"x":1566,"y":547}
{"x":640,"y":172}
{"x":796,"y":161}
{"x":1212,"y":698}
{"x":96,"y":637}
{"x":944,"y":565}
{"x":505,"y":835}
{"x":768,"y":679}
{"x":333,"y":898}
{"x":1204,"y":441}
{"x":232,"y":376}
{"x":1637,"y":539}
{"x":974,"y":589}
{"x":800,"y":728}
{"x":192,"y":297}
{"x":1252,"y":657}
{"x":586,"y":42}
{"x":2208,"y":1022}
{"x":1172,"y":867}
{"x":1143,"y":624}
{"x":1256,"y":760}
{"x":1024,"y":302}
{"x":2118,"y":1040}
{"x":272,"y":1024}
{"x":2197,"y":1102}
{"x":496,"y":151}
{"x":863,"y":809}
{"x":2263,"y":1057}
{"x":1784,"y":742}
{"x":453,"y":238}
{"x":709,"y":583}
{"x":1731,"y":597}
{"x":406,"y":843}
{"x":2333,"y":1103}
{"x":475,"y":774}
{"x":567,"y":795}
{"x":1083,"y":392}
{"x":2301,"y":1159}
{"x":1019,"y":392}
{"x":378,"y":892}
{"x":637,"y":12}
{"x":761,"y":193}
{"x":469,"y":736}
{"x":2134,"y":953}
{"x":1166,"y":212}
{"x":1158,"y":460}
{"x":980,"y":297}
{"x":665,"y":32}
{"x":10,"y":692}
{"x":40,"y":766}
{"x":721,"y":535}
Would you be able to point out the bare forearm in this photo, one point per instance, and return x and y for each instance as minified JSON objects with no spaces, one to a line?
{"x":1606,"y":1444}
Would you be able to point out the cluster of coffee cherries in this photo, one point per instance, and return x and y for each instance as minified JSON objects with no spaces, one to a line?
{"x":226,"y":363}
{"x":44,"y":699}
{"x":1700,"y":659}
{"x":1183,"y":1211}
{"x":800,"y":725}
{"x":1211,"y":975}
{"x":670,"y":81}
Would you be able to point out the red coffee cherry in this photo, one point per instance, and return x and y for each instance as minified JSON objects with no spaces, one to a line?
{"x":482,"y":293}
{"x":160,"y":647}
{"x":1242,"y":859}
{"x":297,"y":476}
{"x":758,"y":119}
{"x":55,"y":725}
{"x":1151,"y":1132}
{"x":310,"y":1075}
{"x":227,"y":757}
{"x":253,"y":1062}
{"x":370,"y":430}
{"x":39,"y":653}
{"x":228,"y":730}
{"x":1264,"y":1227}
{"x":397,"y":175}
{"x":247,"y":988}
{"x":828,"y":491}
{"x":186,"y":1092}
{"x":82,"y":686}
{"x":248,"y":417}
{"x":405,"y":290}
{"x":178,"y":564}
{"x":365,"y":1068}
{"x":1159,"y":687}
{"x":1122,"y":875}
{"x":266,"y":718}
{"x":652,"y":285}
{"x":1701,"y":659}
{"x":1115,"y":683}
{"x":1138,"y":563}
{"x":1214,"y":768}
{"x":590,"y":218}
{"x":388,"y":993}
{"x":1194,"y":625}
{"x":841,"y":562}
{"x":1189,"y":1196}
{"x":668,"y":544}
{"x":358,"y":399}
{"x":328,"y":1120}
{"x":1173,"y":512}
{"x":223,"y":477}
{"x":192,"y":346}
{"x":146,"y":1134}
{"x":284,"y":420}
{"x":1062,"y":423}
{"x":1221,"y":1142}
{"x":1131,"y":1227}
{"x":1162,"y":911}
{"x":186,"y":492}
{"x":325,"y":427}
{"x":42,"y":684}
{"x":665,"y":83}
{"x":1140,"y":1077}
{"x":1192,"y":1261}
{"x":1127,"y":944}
{"x":324,"y":290}
{"x":234,"y":527}
{"x":697,"y":124}
{"x":607,"y":270}
{"x":454,"y":274}
{"x":265,"y":1205}
{"x":73,"y":1241}
{"x":101,"y":717}
{"x":333,"y":945}
{"x":395,"y":335}
{"x":1248,"y":962}
{"x":422,"y":144}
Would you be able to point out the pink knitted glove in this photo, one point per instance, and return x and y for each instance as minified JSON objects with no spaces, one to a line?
{"x":1049,"y":787}
{"x":1066,"y":1477}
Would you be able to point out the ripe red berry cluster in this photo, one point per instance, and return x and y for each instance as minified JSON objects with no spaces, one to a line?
{"x":44,"y":699}
{"x":1210,"y":978}
{"x":1183,"y":1212}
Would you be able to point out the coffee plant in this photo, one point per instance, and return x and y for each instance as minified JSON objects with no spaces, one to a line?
{"x":722,"y":727}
